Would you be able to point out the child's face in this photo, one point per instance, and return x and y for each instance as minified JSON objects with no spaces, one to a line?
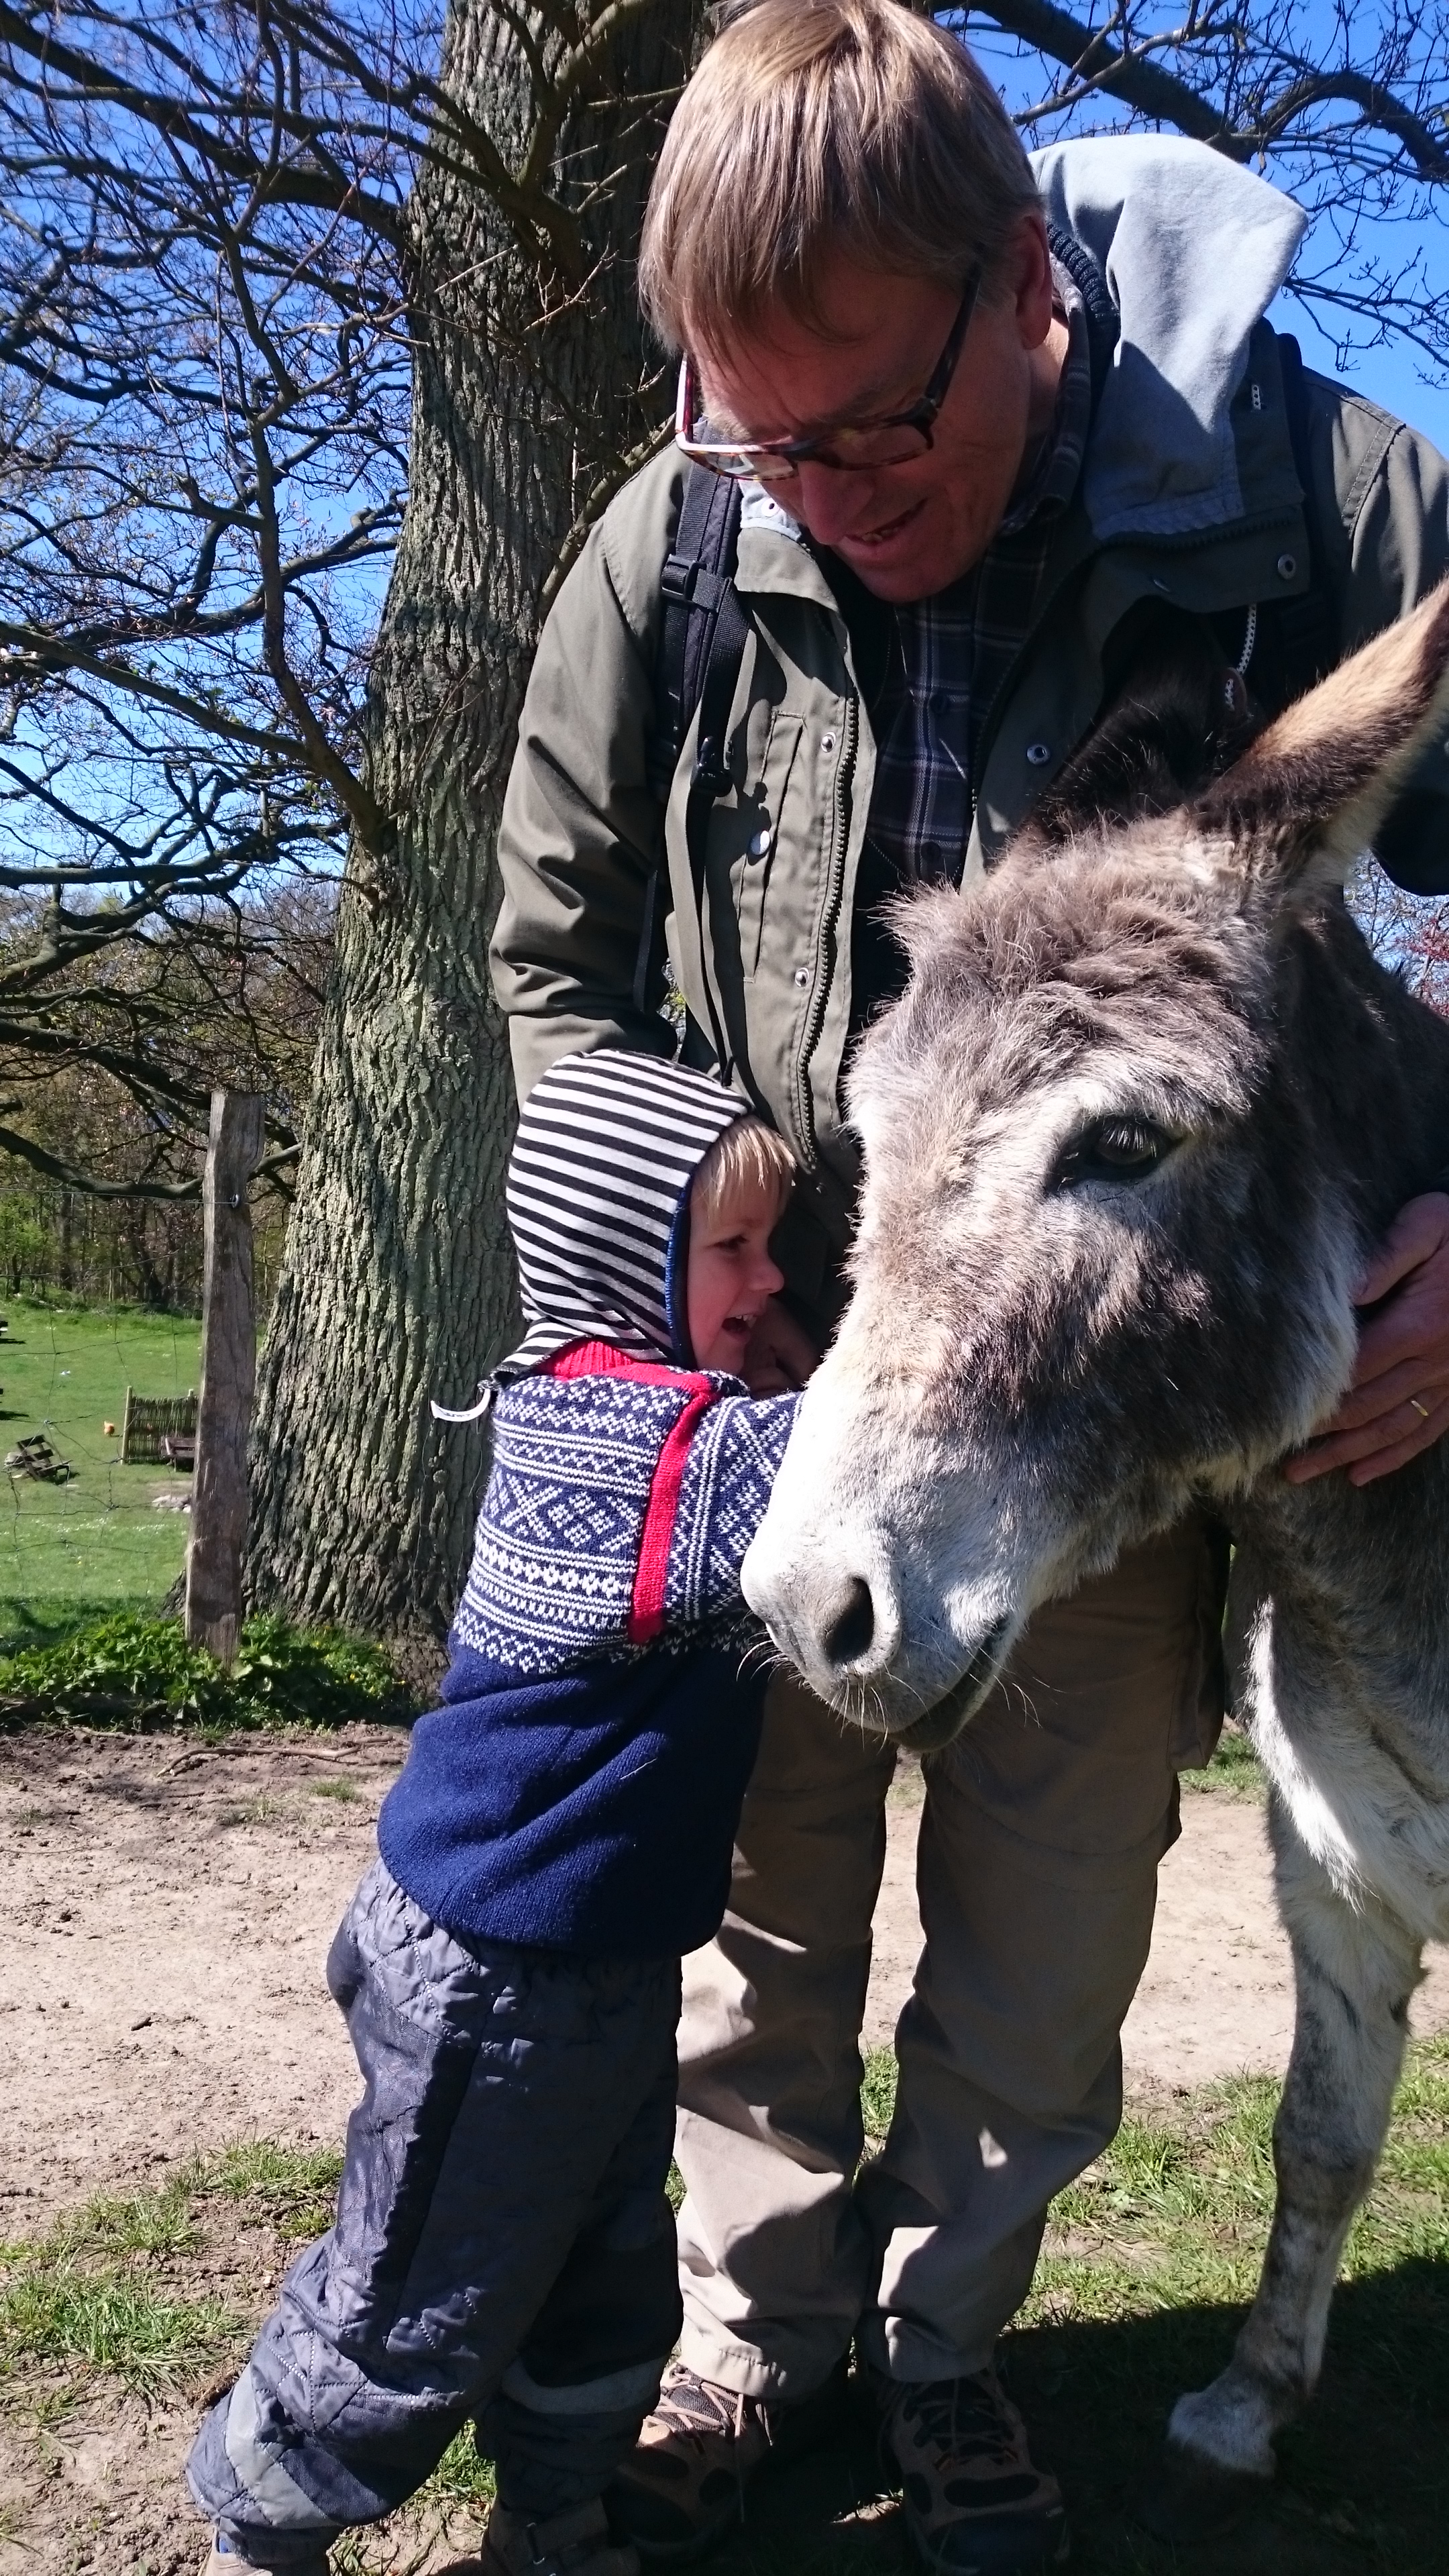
{"x":730,"y":1280}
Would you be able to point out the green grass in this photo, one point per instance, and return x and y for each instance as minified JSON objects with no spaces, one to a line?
{"x":462,"y":2483}
{"x":1181,"y":2203}
{"x":1234,"y":1767}
{"x":85,"y":2322}
{"x":1149,"y":2262}
{"x":878,"y":2095}
{"x":1180,"y":2211}
{"x":92,"y":2297}
{"x":109,"y":2298}
{"x":293,"y":2188}
{"x":462,"y":2475}
{"x":137,"y":1673}
{"x":71,"y":1552}
{"x":153,"y":2223}
{"x":109,"y":2293}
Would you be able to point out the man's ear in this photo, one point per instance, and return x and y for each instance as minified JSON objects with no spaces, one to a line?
{"x":1032,"y":279}
{"x":1305,"y":802}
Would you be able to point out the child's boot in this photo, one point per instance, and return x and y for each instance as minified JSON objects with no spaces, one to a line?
{"x":225,"y":2560}
{"x":575,"y":2543}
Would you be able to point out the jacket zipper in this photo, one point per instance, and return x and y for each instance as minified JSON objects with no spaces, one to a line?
{"x":829,"y":916}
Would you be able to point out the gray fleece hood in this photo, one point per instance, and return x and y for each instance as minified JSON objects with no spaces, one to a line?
{"x":1154,"y":213}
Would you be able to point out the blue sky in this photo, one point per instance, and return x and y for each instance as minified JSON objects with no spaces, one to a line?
{"x":1392,"y":375}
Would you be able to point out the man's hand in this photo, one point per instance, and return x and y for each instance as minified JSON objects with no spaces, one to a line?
{"x":1399,"y":1401}
{"x":780,"y":1354}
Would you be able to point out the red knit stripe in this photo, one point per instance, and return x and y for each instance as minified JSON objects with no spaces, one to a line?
{"x":646,"y":1611}
{"x":601,"y":1359}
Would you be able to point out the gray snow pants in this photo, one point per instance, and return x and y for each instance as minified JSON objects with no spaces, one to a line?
{"x":503,"y":2247}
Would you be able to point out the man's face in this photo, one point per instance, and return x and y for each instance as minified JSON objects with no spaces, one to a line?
{"x":905,"y":530}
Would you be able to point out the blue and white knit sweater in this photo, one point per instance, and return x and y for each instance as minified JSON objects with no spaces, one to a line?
{"x":580,"y":1787}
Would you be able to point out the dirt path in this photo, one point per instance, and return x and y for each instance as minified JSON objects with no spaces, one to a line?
{"x":167,"y":1912}
{"x":167,"y":1915}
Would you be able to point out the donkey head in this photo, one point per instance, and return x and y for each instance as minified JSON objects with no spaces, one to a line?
{"x":1104,"y":1263}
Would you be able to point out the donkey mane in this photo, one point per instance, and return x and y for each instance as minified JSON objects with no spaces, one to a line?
{"x":1088,"y":917}
{"x":1092,"y":900}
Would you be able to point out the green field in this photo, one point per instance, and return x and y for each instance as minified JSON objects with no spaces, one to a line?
{"x":69,"y":1552}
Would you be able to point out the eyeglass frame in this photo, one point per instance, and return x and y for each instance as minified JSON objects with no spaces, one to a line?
{"x":792,"y":453}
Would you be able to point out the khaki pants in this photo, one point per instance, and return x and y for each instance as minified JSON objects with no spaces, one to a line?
{"x":1037,"y":1872}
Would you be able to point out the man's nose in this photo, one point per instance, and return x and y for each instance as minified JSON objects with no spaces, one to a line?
{"x":833,"y":504}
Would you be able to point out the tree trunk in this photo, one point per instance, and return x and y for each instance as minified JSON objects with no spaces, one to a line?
{"x":398,"y":1281}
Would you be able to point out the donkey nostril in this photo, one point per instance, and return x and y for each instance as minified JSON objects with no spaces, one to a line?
{"x":851,"y":1630}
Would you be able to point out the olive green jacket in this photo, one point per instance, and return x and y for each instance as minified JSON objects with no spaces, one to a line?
{"x":1188,"y":495}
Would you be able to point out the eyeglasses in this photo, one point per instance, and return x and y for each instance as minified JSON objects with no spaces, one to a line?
{"x":874,"y":443}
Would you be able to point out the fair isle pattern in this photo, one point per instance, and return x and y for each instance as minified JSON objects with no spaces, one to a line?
{"x":607,"y":1146}
{"x":733,"y":1461}
{"x":557,"y":1542}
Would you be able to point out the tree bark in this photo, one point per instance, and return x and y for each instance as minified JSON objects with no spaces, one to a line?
{"x":398,"y":1279}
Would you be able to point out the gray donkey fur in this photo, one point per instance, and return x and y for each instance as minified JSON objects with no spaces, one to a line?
{"x":1145,"y":1108}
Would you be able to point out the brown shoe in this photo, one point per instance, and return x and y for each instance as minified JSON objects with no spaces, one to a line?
{"x":975,"y":2504}
{"x":225,"y":2560}
{"x":684,"y":2484}
{"x":568,"y":2544}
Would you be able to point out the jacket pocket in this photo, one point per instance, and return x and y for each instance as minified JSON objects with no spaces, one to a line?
{"x":759,"y":852}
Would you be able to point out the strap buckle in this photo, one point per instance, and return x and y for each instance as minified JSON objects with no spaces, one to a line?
{"x":676,"y":581}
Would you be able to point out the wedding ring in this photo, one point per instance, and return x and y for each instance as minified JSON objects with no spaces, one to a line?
{"x":1418,"y":1407}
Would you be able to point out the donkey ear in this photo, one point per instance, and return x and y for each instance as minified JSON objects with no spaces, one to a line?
{"x":1305,"y":802}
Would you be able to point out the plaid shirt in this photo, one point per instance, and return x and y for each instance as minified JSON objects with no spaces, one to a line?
{"x":931,"y":670}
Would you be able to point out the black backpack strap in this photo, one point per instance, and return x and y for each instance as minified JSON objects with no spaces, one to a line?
{"x":701,"y":647}
{"x":698,"y":575}
{"x":1298,"y":640}
{"x":710,"y":777}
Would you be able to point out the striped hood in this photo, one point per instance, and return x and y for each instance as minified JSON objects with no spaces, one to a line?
{"x":598,"y":1188}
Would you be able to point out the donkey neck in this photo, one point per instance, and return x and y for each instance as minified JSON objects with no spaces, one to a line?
{"x":1369,"y":1066}
{"x":1354,"y":1574}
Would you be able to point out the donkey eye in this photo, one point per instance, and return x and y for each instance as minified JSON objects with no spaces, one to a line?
{"x":1115,"y":1149}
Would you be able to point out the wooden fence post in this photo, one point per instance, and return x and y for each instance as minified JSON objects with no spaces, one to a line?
{"x":228,"y":1377}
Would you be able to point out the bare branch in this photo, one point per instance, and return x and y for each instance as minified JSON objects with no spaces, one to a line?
{"x":1133,"y":77}
{"x":25,"y":1150}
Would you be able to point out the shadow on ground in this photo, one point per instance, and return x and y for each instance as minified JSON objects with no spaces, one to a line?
{"x":1363,"y":2487}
